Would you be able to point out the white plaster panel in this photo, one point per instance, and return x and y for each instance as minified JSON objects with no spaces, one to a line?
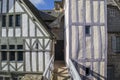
{"x":88,"y":11}
{"x":18,"y":65}
{"x":18,"y":8}
{"x":27,"y":57}
{"x":39,"y":33}
{"x":95,"y":69}
{"x":47,"y":58}
{"x":75,"y":44}
{"x":27,"y":44}
{"x":49,"y":46}
{"x":6,"y":67}
{"x":34,"y":62}
{"x":10,"y":32}
{"x":17,"y":32}
{"x":80,"y":10}
{"x":11,"y":6}
{"x":80,"y":30}
{"x":32,"y":28}
{"x":33,"y":41}
{"x":95,"y":11}
{"x":41,"y":41}
{"x":4,"y":32}
{"x":103,"y":41}
{"x":74,"y":11}
{"x":96,"y":42}
{"x":12,"y":66}
{"x":24,"y":25}
{"x":102,"y":69}
{"x":88,"y":47}
{"x":40,"y":60}
{"x":4,"y":6}
{"x":102,"y":13}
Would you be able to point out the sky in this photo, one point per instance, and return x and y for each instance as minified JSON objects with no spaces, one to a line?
{"x":43,"y":4}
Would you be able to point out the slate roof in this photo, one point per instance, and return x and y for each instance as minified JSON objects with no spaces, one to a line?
{"x":37,"y":15}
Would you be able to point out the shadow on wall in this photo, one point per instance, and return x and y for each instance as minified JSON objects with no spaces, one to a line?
{"x":95,"y":75}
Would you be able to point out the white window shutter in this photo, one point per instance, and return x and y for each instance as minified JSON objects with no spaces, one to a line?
{"x":114,"y":44}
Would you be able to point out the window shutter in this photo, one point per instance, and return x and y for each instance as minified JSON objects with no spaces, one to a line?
{"x":114,"y":43}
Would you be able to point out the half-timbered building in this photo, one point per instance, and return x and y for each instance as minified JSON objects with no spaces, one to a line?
{"x":26,"y":43}
{"x":86,"y":37}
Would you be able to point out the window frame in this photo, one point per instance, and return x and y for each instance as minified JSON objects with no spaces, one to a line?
{"x":87,"y":30}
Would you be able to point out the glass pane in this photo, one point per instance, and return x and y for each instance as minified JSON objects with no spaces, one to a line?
{"x":3,"y":46}
{"x":4,"y":21}
{"x":4,"y":55}
{"x":7,"y":78}
{"x":11,"y":46}
{"x":19,"y":46}
{"x":18,"y":20}
{"x":10,"y":20}
{"x":12,"y":56}
{"x":1,"y":78}
{"x":87,"y":30}
{"x":20,"y":56}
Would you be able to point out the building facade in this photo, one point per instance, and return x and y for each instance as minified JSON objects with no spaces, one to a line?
{"x":113,"y":14}
{"x":26,"y":43}
{"x":86,"y":37}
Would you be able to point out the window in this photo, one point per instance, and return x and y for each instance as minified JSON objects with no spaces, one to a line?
{"x":4,"y":21}
{"x":4,"y":55}
{"x":87,"y":30}
{"x":20,"y":56}
{"x":112,"y":12}
{"x":19,"y":46}
{"x":37,"y":46}
{"x":116,"y":43}
{"x":18,"y":20}
{"x":87,"y":71}
{"x":11,"y":46}
{"x":3,"y":46}
{"x":12,"y":55}
{"x":10,"y":20}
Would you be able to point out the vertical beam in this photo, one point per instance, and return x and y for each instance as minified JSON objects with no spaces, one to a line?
{"x":105,"y":52}
{"x":44,"y":55}
{"x":92,"y":35}
{"x":24,"y":57}
{"x":14,"y":19}
{"x":100,"y":39}
{"x":31,"y":68}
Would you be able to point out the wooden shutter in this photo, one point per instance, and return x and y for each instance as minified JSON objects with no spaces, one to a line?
{"x":114,"y":44}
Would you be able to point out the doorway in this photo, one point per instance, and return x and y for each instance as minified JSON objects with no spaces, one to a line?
{"x":59,"y":50}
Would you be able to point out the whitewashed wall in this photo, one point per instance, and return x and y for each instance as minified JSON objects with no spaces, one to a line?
{"x":89,"y":51}
{"x":32,"y":33}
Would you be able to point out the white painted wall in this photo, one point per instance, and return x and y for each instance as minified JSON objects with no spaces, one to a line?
{"x":80,"y":47}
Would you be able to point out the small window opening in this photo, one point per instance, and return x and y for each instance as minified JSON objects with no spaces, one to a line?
{"x":87,"y":71}
{"x":10,"y":20}
{"x":12,"y":56}
{"x":19,"y":46}
{"x":37,"y":46}
{"x":3,"y":46}
{"x":18,"y":20}
{"x":87,"y":30}
{"x":11,"y":46}
{"x":20,"y":56}
{"x":4,"y":55}
{"x":4,"y":21}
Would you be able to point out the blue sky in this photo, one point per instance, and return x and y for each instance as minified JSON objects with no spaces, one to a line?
{"x":43,"y":4}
